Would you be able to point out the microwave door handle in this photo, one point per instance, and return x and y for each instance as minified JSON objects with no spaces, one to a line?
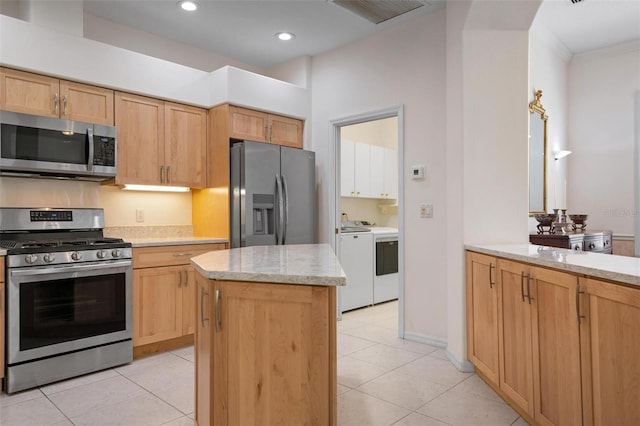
{"x":91,"y":149}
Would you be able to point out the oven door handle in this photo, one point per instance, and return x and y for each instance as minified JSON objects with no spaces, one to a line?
{"x":65,"y":269}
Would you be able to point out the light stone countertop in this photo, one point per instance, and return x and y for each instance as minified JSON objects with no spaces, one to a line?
{"x":173,"y":241}
{"x":310,"y":264}
{"x":3,"y":252}
{"x":623,"y":269}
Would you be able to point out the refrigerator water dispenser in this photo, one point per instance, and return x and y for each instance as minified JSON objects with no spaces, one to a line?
{"x":263,"y":205}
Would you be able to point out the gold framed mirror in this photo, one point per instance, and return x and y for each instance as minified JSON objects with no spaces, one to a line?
{"x":537,"y":156}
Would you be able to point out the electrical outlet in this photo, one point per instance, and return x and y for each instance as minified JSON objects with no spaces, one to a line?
{"x":426,"y":210}
{"x":139,"y":215}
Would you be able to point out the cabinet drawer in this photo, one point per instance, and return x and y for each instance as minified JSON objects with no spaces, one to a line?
{"x":151,"y":257}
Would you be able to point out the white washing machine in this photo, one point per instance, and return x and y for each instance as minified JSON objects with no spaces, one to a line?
{"x":385,"y":264}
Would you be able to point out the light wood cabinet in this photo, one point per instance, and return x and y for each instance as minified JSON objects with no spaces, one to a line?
{"x":264,"y":354}
{"x":539,"y":342}
{"x":160,"y":143}
{"x":514,"y":336}
{"x":482,"y":314}
{"x":50,"y":97}
{"x":2,"y":305}
{"x":610,"y":349}
{"x":567,"y":345}
{"x":248,"y":124}
{"x":164,"y":292}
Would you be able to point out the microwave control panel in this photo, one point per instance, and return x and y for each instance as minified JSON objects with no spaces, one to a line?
{"x":104,"y":151}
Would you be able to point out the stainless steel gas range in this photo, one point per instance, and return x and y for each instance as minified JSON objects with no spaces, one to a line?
{"x":69,"y":295}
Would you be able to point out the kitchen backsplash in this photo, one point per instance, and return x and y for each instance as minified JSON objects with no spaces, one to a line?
{"x":121,"y":208}
{"x":23,"y":192}
{"x":164,"y":231}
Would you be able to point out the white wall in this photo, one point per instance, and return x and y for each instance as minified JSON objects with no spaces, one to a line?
{"x":404,"y":65}
{"x":548,"y":68}
{"x":119,"y":35}
{"x":602,"y":86}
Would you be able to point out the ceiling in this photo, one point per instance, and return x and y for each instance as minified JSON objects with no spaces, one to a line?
{"x":245,"y":30}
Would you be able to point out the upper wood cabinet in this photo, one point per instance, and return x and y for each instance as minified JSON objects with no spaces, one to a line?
{"x":160,"y":143}
{"x":50,"y":97}
{"x":248,"y":124}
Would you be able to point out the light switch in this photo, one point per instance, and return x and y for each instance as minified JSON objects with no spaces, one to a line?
{"x":139,"y":215}
{"x":426,"y":210}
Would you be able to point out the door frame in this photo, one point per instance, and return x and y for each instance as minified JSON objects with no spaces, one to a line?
{"x":336,"y":124}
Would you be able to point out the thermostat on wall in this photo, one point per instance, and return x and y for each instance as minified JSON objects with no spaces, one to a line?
{"x":417,"y":172}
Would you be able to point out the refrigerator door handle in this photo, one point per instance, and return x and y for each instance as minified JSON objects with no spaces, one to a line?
{"x":285,"y":222}
{"x":280,"y":218}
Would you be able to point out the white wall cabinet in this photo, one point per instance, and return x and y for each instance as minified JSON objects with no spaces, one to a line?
{"x":368,"y":171}
{"x":356,"y":258}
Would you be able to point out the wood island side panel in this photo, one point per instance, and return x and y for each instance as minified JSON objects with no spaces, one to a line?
{"x":270,"y":352}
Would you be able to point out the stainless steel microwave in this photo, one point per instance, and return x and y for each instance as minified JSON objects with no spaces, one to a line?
{"x":34,"y":146}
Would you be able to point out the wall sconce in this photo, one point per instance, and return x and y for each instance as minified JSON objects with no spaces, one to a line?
{"x":560,"y":154}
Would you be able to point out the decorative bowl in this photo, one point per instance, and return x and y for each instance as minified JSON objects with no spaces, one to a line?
{"x":545,"y":219}
{"x":578,"y":219}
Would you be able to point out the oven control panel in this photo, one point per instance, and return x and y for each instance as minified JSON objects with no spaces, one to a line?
{"x":51,"y":215}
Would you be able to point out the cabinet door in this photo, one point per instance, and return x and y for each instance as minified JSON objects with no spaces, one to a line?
{"x":390,"y":173}
{"x":81,"y":102}
{"x":362,"y":169}
{"x":285,"y":131}
{"x":188,"y":282}
{"x":271,"y":350}
{"x":556,"y":348}
{"x":140,"y":123}
{"x":158,"y":304}
{"x":356,"y":258}
{"x":514,"y":334}
{"x":2,"y":317}
{"x":29,"y":93}
{"x":185,"y":145}
{"x":482,"y":314}
{"x":376,"y":167}
{"x":347,"y":168}
{"x":203,"y":353}
{"x":610,"y":349}
{"x":247,"y":124}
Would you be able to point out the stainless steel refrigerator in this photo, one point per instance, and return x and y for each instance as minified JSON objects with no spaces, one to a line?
{"x":273,"y":197}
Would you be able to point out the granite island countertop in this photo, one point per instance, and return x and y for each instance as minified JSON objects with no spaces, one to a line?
{"x":309,"y":264}
{"x":623,"y":269}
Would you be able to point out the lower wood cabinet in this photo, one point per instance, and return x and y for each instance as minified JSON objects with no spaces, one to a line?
{"x":539,"y":342}
{"x":164,"y":293}
{"x":610,"y":338}
{"x":264,"y":354}
{"x":2,"y":304}
{"x":482,"y":314}
{"x":567,"y":347}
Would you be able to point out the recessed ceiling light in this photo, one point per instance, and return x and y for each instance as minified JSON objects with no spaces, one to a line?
{"x":285,"y":36}
{"x":187,"y":5}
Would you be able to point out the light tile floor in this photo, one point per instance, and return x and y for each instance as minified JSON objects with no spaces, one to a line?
{"x":382,"y":380}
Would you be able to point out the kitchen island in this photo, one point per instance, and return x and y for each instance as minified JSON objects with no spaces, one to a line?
{"x":266,"y":335}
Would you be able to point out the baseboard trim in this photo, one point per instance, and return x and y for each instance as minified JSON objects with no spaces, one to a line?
{"x":462,"y":365}
{"x":421,"y":338}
